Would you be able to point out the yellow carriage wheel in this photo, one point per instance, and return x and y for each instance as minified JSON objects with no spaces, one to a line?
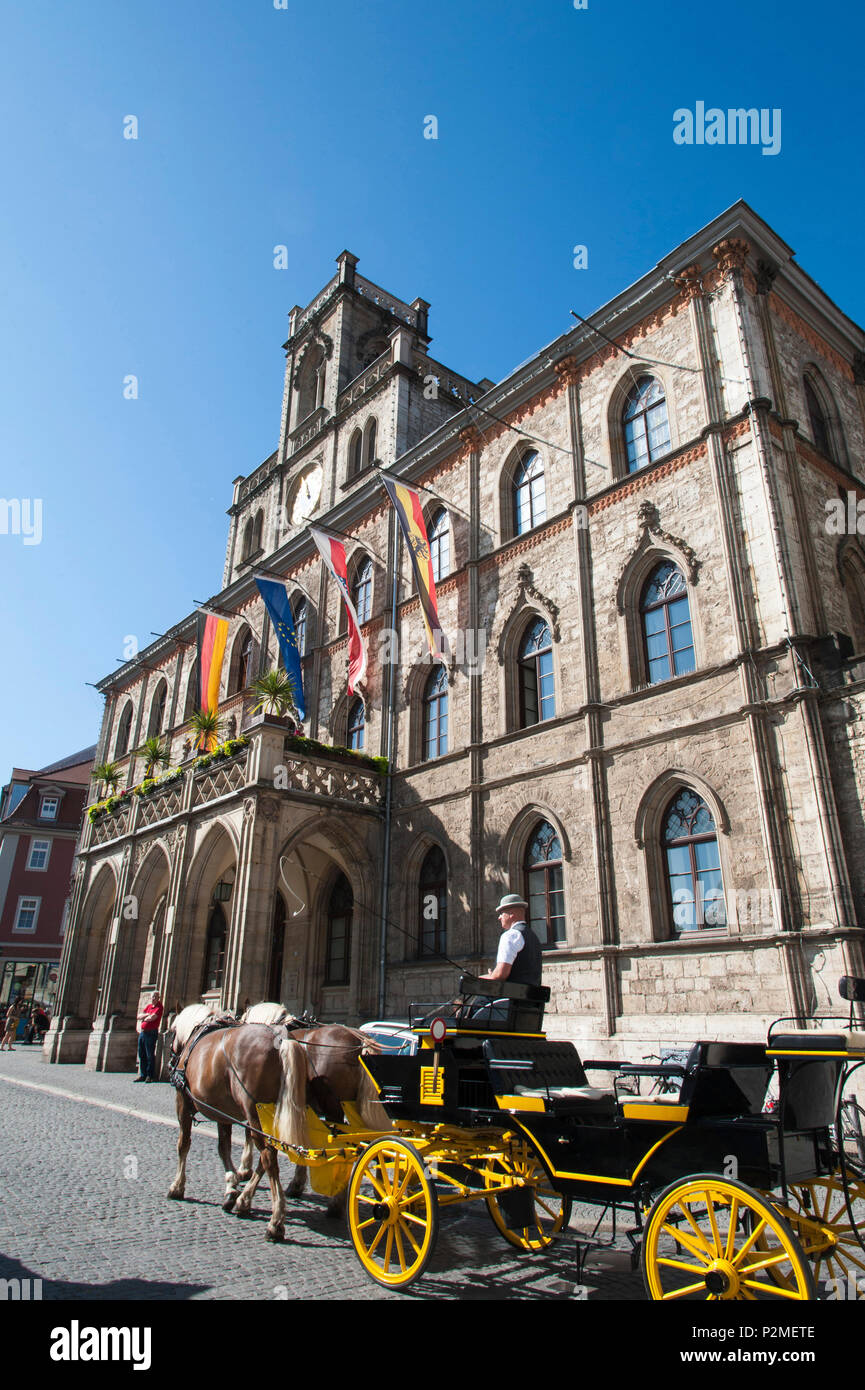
{"x":550,"y":1211}
{"x":392,"y":1212}
{"x":819,"y":1214}
{"x":715,"y":1239}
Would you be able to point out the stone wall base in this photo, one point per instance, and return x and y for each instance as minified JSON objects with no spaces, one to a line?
{"x":65,"y":1041}
{"x":113,"y":1046}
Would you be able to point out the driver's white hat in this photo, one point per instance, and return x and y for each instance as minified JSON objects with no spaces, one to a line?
{"x":510,"y":900}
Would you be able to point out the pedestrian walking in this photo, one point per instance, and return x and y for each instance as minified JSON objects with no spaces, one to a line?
{"x":13,"y":1014}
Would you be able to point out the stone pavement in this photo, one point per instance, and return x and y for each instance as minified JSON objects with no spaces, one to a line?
{"x":85,"y":1211}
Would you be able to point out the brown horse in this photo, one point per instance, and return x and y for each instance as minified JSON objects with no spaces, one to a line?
{"x":230,"y":1070}
{"x":333,"y":1075}
{"x":227,"y":1072}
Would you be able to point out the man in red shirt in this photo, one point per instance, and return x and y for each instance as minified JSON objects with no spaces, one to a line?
{"x":149,"y":1020}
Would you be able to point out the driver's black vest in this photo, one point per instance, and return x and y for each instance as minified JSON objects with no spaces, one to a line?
{"x":526,"y":969}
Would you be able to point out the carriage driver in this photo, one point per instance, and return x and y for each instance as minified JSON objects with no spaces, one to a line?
{"x":519,"y":955}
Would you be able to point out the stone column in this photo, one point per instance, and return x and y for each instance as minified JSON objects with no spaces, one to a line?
{"x":69,"y":1033}
{"x":471,"y":441}
{"x":113,"y":1038}
{"x":602,"y":851}
{"x":245,"y":974}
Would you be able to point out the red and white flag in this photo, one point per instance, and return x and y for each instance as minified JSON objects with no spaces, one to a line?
{"x":333,"y":553}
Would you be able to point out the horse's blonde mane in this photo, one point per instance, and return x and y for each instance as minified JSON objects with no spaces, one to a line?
{"x":188,"y":1019}
{"x":266,"y":1013}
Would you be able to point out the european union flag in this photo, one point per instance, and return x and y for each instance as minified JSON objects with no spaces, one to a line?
{"x":277,"y":603}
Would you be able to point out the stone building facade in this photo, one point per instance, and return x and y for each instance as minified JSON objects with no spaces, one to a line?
{"x":647,"y":720}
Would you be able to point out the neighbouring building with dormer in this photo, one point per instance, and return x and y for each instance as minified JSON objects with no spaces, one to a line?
{"x":647,"y":721}
{"x":40,"y":820}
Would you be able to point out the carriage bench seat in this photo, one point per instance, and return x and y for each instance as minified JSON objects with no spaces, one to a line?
{"x":801,"y":1043}
{"x":568,"y":1092}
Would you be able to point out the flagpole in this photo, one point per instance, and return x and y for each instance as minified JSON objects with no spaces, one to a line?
{"x":388,"y":795}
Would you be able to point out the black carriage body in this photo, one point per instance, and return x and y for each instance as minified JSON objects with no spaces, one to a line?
{"x":600,"y":1146}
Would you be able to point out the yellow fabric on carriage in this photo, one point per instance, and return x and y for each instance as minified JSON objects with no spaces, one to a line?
{"x":325,"y":1178}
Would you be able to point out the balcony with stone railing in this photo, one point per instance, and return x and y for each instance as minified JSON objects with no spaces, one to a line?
{"x":301,"y":317}
{"x":383,"y":300}
{"x":448,"y":381}
{"x":271,"y":758}
{"x":256,"y":478}
{"x":308,"y":430}
{"x":365,"y":380}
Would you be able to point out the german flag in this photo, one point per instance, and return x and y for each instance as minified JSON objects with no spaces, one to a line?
{"x":410,"y":515}
{"x":212,"y":637}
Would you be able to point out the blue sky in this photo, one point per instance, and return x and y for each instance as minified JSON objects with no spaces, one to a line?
{"x":303,"y":126}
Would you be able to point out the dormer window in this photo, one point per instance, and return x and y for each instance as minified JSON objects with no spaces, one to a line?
{"x":48,"y":807}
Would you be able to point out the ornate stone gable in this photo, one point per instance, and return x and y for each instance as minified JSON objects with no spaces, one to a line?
{"x":528,"y":595}
{"x":651,"y":532}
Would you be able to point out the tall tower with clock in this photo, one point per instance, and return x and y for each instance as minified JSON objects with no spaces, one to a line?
{"x":360,"y":388}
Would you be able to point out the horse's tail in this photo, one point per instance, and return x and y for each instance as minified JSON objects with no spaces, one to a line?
{"x":289,"y":1120}
{"x":369,"y":1107}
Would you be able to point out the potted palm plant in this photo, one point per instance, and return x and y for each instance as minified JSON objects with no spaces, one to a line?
{"x":155,"y":755}
{"x":206,"y":726}
{"x":275,"y":695}
{"x":106,"y":776}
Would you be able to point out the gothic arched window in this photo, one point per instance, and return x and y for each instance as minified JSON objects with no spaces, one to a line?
{"x":312,"y":380}
{"x":191,"y":692}
{"x":361,"y":591}
{"x":821,"y":432}
{"x":339,"y":912}
{"x":300,"y":625}
{"x":545,"y":892}
{"x":440,"y":544}
{"x":244,"y":674}
{"x":355,"y":453}
{"x":157,"y":711}
{"x":356,"y":725}
{"x":646,"y":424}
{"x":433,"y":890}
{"x":124,"y":732}
{"x":530,"y":497}
{"x":435,"y":714}
{"x":537,"y":691}
{"x":690,"y":842}
{"x":214,"y":949}
{"x":277,"y":950}
{"x":370,"y":432}
{"x":666,"y":617}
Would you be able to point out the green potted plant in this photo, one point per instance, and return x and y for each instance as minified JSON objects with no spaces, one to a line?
{"x":106,"y":776}
{"x":206,"y":726}
{"x":155,"y":755}
{"x":275,"y":694}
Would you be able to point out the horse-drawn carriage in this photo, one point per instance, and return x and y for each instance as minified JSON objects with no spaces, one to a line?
{"x":727,"y":1198}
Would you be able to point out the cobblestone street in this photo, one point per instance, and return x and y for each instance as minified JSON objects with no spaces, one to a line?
{"x":85,"y":1211}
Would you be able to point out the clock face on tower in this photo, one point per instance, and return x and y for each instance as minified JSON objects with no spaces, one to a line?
{"x":306,"y":494}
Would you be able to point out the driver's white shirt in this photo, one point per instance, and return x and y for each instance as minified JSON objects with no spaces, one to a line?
{"x":511,"y":942}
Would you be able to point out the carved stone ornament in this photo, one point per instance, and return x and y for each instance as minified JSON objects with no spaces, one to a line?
{"x":567,"y":369}
{"x":268,"y":809}
{"x":317,"y":339}
{"x":249,"y":808}
{"x":175,"y":837}
{"x":731,"y":255}
{"x":649,"y":525}
{"x":765,"y":277}
{"x":527,"y":593}
{"x":383,"y":329}
{"x":690,"y":280}
{"x":470,"y":438}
